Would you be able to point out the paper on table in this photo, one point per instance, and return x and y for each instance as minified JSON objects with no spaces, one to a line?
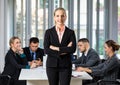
{"x":76,"y":74}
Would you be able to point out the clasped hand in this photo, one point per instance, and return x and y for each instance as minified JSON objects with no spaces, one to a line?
{"x":35,"y":63}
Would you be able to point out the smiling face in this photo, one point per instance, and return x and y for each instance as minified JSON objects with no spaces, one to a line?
{"x":16,"y":45}
{"x":59,"y":17}
{"x":107,"y":49}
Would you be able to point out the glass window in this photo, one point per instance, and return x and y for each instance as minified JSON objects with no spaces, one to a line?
{"x":39,"y":18}
{"x":98,"y":26}
{"x":33,"y":18}
{"x":119,"y":22}
{"x":20,"y":20}
{"x":83,"y":18}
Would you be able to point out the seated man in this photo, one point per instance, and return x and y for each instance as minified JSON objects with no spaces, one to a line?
{"x":89,"y":56}
{"x":33,"y":52}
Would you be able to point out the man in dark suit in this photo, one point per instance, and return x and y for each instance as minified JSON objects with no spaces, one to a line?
{"x":89,"y":56}
{"x":33,"y":52}
{"x":59,"y":44}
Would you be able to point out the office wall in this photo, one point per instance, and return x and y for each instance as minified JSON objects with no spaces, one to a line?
{"x":2,"y":37}
{"x":3,"y":32}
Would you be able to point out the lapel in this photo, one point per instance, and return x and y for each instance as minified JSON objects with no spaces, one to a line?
{"x":55,"y":35}
{"x":29,"y":54}
{"x":88,"y":53}
{"x":37,"y":53}
{"x":64,"y":35}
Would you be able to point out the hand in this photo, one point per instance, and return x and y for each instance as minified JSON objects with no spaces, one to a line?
{"x":80,"y":69}
{"x":20,"y":51}
{"x":39,"y":62}
{"x":54,"y":48}
{"x":69,"y":45}
{"x":33,"y":65}
{"x":33,"y":61}
{"x":84,"y":69}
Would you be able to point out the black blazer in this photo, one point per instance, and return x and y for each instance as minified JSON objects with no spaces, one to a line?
{"x":92,"y":59}
{"x":108,"y":69}
{"x":13,"y":64}
{"x":55,"y":59}
{"x":39,"y":53}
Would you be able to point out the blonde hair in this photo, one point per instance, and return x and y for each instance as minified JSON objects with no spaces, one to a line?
{"x":12,"y":40}
{"x":60,"y":8}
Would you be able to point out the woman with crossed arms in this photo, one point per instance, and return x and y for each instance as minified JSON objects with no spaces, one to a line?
{"x":59,"y":44}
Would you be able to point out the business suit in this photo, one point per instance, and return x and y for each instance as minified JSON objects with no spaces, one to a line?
{"x":57,"y":63}
{"x":109,"y":69}
{"x":92,"y":59}
{"x":39,"y":53}
{"x":13,"y":65}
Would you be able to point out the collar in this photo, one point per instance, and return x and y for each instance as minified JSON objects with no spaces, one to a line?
{"x":31,"y":51}
{"x":62,"y":29}
{"x":86,"y":52}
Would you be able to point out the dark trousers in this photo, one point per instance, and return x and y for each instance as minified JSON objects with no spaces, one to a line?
{"x":17,"y":82}
{"x":59,"y":76}
{"x":20,"y":82}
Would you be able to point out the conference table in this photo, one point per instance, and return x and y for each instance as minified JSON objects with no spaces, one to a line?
{"x":37,"y":76}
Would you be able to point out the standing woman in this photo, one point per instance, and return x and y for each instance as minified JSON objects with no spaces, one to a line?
{"x":15,"y":60}
{"x":59,"y":44}
{"x":109,"y":68}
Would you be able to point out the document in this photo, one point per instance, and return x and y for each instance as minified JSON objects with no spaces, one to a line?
{"x":76,"y":74}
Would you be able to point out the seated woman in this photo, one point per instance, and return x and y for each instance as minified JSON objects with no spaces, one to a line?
{"x":109,"y":68}
{"x":15,"y":60}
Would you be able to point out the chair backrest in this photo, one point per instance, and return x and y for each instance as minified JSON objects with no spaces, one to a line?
{"x":5,"y":79}
{"x":73,"y":57}
{"x":119,"y":71}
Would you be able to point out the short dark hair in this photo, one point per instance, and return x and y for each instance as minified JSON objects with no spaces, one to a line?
{"x":83,"y":40}
{"x":34,"y":40}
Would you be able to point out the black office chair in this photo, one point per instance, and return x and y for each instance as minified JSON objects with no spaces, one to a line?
{"x":106,"y":82}
{"x":73,"y":57}
{"x":5,"y":79}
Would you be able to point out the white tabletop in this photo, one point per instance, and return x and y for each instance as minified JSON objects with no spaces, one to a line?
{"x":33,"y":74}
{"x":40,"y":74}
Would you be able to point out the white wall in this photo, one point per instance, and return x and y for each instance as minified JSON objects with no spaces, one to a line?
{"x":3,"y":32}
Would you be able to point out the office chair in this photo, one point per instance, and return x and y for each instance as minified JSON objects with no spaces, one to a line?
{"x":106,"y":82}
{"x":5,"y":79}
{"x":73,"y":57}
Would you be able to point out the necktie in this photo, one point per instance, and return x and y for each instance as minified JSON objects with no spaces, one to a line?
{"x":33,"y":56}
